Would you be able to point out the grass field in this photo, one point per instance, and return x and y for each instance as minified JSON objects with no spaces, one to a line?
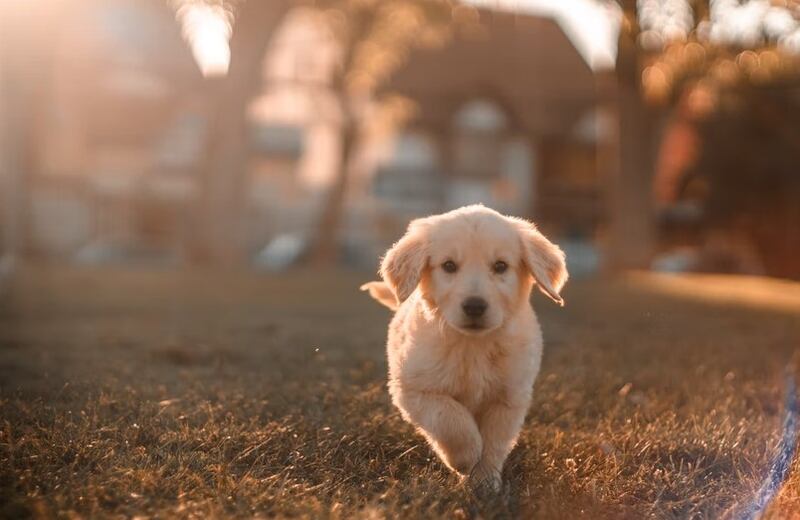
{"x":192,"y":394}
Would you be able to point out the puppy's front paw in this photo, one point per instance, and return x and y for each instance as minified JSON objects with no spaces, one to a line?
{"x":485,"y":478}
{"x":463,"y":452}
{"x":463,"y":463}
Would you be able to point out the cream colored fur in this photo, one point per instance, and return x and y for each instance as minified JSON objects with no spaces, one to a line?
{"x":465,"y":384}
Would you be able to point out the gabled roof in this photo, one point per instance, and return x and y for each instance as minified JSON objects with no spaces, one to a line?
{"x":525,"y":63}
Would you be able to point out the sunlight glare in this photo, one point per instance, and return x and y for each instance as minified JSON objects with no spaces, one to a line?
{"x":591,"y":26}
{"x":207,"y":28}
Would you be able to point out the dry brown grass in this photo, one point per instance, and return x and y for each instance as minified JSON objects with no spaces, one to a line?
{"x":192,"y":394}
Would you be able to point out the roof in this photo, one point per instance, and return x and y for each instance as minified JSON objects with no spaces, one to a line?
{"x":525,"y":63}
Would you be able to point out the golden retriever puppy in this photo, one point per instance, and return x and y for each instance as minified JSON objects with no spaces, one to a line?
{"x":465,"y":346}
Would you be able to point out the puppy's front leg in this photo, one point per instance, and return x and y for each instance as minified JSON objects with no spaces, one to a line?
{"x":447,"y":425}
{"x":500,"y":425}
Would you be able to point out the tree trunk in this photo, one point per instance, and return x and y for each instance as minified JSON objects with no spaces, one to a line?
{"x":27,"y":62}
{"x":632,"y":222}
{"x":223,"y":179}
{"x":11,"y":142}
{"x":325,"y":248}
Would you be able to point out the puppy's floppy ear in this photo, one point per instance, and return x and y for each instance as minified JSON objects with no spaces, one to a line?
{"x":402,"y":265}
{"x":544,"y":259}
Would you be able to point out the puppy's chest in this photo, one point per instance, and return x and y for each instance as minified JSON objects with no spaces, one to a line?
{"x":471,"y":374}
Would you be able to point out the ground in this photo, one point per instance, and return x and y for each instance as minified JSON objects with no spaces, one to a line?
{"x":174,"y":393}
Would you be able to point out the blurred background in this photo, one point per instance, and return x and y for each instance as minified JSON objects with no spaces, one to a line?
{"x":192,"y":191}
{"x":264,"y":135}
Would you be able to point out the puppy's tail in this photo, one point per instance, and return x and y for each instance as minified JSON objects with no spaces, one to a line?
{"x":382,"y":293}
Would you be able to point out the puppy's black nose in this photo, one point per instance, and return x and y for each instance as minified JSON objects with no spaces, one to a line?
{"x":474,"y":307}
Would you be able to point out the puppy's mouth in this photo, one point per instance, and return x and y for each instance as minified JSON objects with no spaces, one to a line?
{"x":473,"y":327}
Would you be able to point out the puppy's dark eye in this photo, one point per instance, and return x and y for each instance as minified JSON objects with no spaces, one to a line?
{"x":450,"y":267}
{"x":500,"y":267}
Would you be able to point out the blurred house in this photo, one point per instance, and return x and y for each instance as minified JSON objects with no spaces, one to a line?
{"x":294,"y":130}
{"x":276,"y":202}
{"x":507,"y":117}
{"x":120,"y":138}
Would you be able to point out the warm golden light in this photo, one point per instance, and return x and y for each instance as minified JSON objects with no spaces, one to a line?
{"x":207,"y":28}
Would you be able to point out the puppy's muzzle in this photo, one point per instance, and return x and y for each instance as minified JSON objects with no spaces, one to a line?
{"x":474,"y":307}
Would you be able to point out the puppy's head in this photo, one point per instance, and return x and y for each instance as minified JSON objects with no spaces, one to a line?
{"x":473,"y":266}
